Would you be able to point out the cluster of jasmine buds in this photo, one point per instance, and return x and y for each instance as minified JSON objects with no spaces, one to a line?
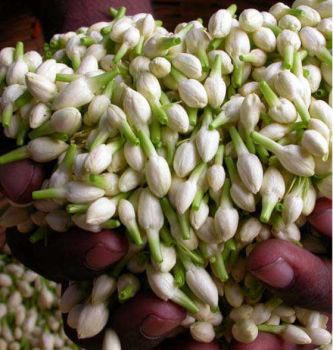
{"x":197,"y":143}
{"x":29,"y":312}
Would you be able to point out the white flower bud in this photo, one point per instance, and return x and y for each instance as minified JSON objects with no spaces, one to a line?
{"x":185,"y":159}
{"x":216,"y":90}
{"x":312,"y":40}
{"x":188,"y":64}
{"x":295,"y":335}
{"x":250,"y":20}
{"x":160,"y":67}
{"x":290,"y":22}
{"x":79,"y":192}
{"x":202,"y":332}
{"x":314,"y":76}
{"x":325,"y":26}
{"x":96,"y":109}
{"x":16,"y":72}
{"x":111,"y":340}
{"x":272,"y":191}
{"x":72,"y":296}
{"x":278,"y":10}
{"x":39,"y":114}
{"x":325,"y":186}
{"x":315,"y":143}
{"x":48,"y":69}
{"x":321,"y":110}
{"x":136,"y":107}
{"x":92,"y":320}
{"x":319,"y":336}
{"x":233,"y":294}
{"x":245,"y":331}
{"x":198,"y":217}
{"x":40,"y":87}
{"x":265,"y":39}
{"x":206,"y":232}
{"x":129,"y":180}
{"x":326,"y":71}
{"x":7,"y":56}
{"x":138,"y":65}
{"x":193,"y":93}
{"x":201,"y":284}
{"x":134,"y":156}
{"x":292,"y":157}
{"x":219,"y":25}
{"x":98,"y":159}
{"x":260,"y":314}
{"x":207,"y":142}
{"x":120,"y":27}
{"x":226,"y":66}
{"x":96,"y":50}
{"x":178,"y":119}
{"x":169,"y":259}
{"x":275,"y":131}
{"x":58,"y":220}
{"x":250,"y":112}
{"x":237,"y":43}
{"x":249,"y":230}
{"x":46,"y":298}
{"x":309,"y":17}
{"x":5,"y":280}
{"x":268,"y":18}
{"x":216,"y":177}
{"x":101,"y":210}
{"x":244,"y":312}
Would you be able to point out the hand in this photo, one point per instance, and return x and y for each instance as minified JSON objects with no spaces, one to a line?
{"x":148,"y":321}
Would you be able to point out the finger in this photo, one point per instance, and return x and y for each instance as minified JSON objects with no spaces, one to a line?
{"x":74,"y":255}
{"x":321,"y":217}
{"x":187,"y":344}
{"x":19,"y":179}
{"x":266,"y":341}
{"x":297,"y":275}
{"x":142,"y":323}
{"x":145,"y":321}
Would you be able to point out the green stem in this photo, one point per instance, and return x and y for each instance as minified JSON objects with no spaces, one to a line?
{"x":128,"y":133}
{"x":325,"y":56}
{"x":266,"y":142}
{"x":238,"y":142}
{"x":98,"y":181}
{"x":77,"y":208}
{"x":231,"y":168}
{"x":183,"y":300}
{"x":23,"y":99}
{"x":7,"y":115}
{"x":99,"y":81}
{"x":155,"y":133}
{"x":70,"y":157}
{"x":49,"y":193}
{"x":138,"y":50}
{"x":218,"y":121}
{"x":197,"y":172}
{"x":275,"y":29}
{"x":127,"y":293}
{"x":249,"y":143}
{"x":297,"y":68}
{"x":168,"y":211}
{"x":111,"y":224}
{"x":192,"y":116}
{"x":268,"y":206}
{"x":43,"y":130}
{"x":215,"y":43}
{"x":134,"y":234}
{"x":167,"y":43}
{"x":237,"y":74}
{"x":154,"y":245}
{"x":67,"y":78}
{"x":15,"y":155}
{"x":198,"y":199}
{"x":120,"y":53}
{"x":87,"y":41}
{"x":177,"y":75}
{"x":288,"y":57}
{"x":229,"y":247}
{"x":263,"y":154}
{"x":218,"y":160}
{"x":232,"y":9}
{"x":249,"y":58}
{"x":302,"y":110}
{"x":219,"y":268}
{"x":179,"y":275}
{"x":19,"y":51}
{"x":22,"y":132}
{"x":202,"y":55}
{"x":269,"y":95}
{"x":107,"y":30}
{"x":182,"y":33}
{"x":108,"y":91}
{"x":217,"y":66}
{"x":273,"y":303}
{"x":267,"y":328}
{"x":166,"y":237}
{"x":296,"y":12}
{"x":225,"y":196}
{"x":146,"y":144}
{"x":184,"y":226}
{"x":101,"y":138}
{"x":158,"y":111}
{"x":38,"y":235}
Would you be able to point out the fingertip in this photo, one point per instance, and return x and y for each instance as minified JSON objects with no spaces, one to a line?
{"x":321,"y":217}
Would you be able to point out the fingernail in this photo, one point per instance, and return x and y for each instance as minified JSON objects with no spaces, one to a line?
{"x":100,"y":257}
{"x":278,"y":274}
{"x":156,"y":327}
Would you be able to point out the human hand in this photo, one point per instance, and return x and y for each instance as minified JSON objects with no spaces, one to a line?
{"x":81,"y":255}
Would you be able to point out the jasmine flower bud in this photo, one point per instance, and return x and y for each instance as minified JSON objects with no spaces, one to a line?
{"x":250,"y":20}
{"x":160,"y":67}
{"x":245,"y":331}
{"x":265,"y":39}
{"x":186,"y":158}
{"x":202,"y":332}
{"x":39,"y":114}
{"x":220,"y":22}
{"x":290,"y":22}
{"x":315,"y":143}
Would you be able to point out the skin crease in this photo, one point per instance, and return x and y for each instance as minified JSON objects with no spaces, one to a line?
{"x":153,"y":307}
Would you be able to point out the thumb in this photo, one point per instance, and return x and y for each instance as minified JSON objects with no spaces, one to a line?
{"x":297,"y":275}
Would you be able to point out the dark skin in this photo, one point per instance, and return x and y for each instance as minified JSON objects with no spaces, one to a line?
{"x":147,"y":322}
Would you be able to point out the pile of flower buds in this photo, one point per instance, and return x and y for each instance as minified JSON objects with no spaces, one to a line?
{"x":29,"y":313}
{"x":200,"y":142}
